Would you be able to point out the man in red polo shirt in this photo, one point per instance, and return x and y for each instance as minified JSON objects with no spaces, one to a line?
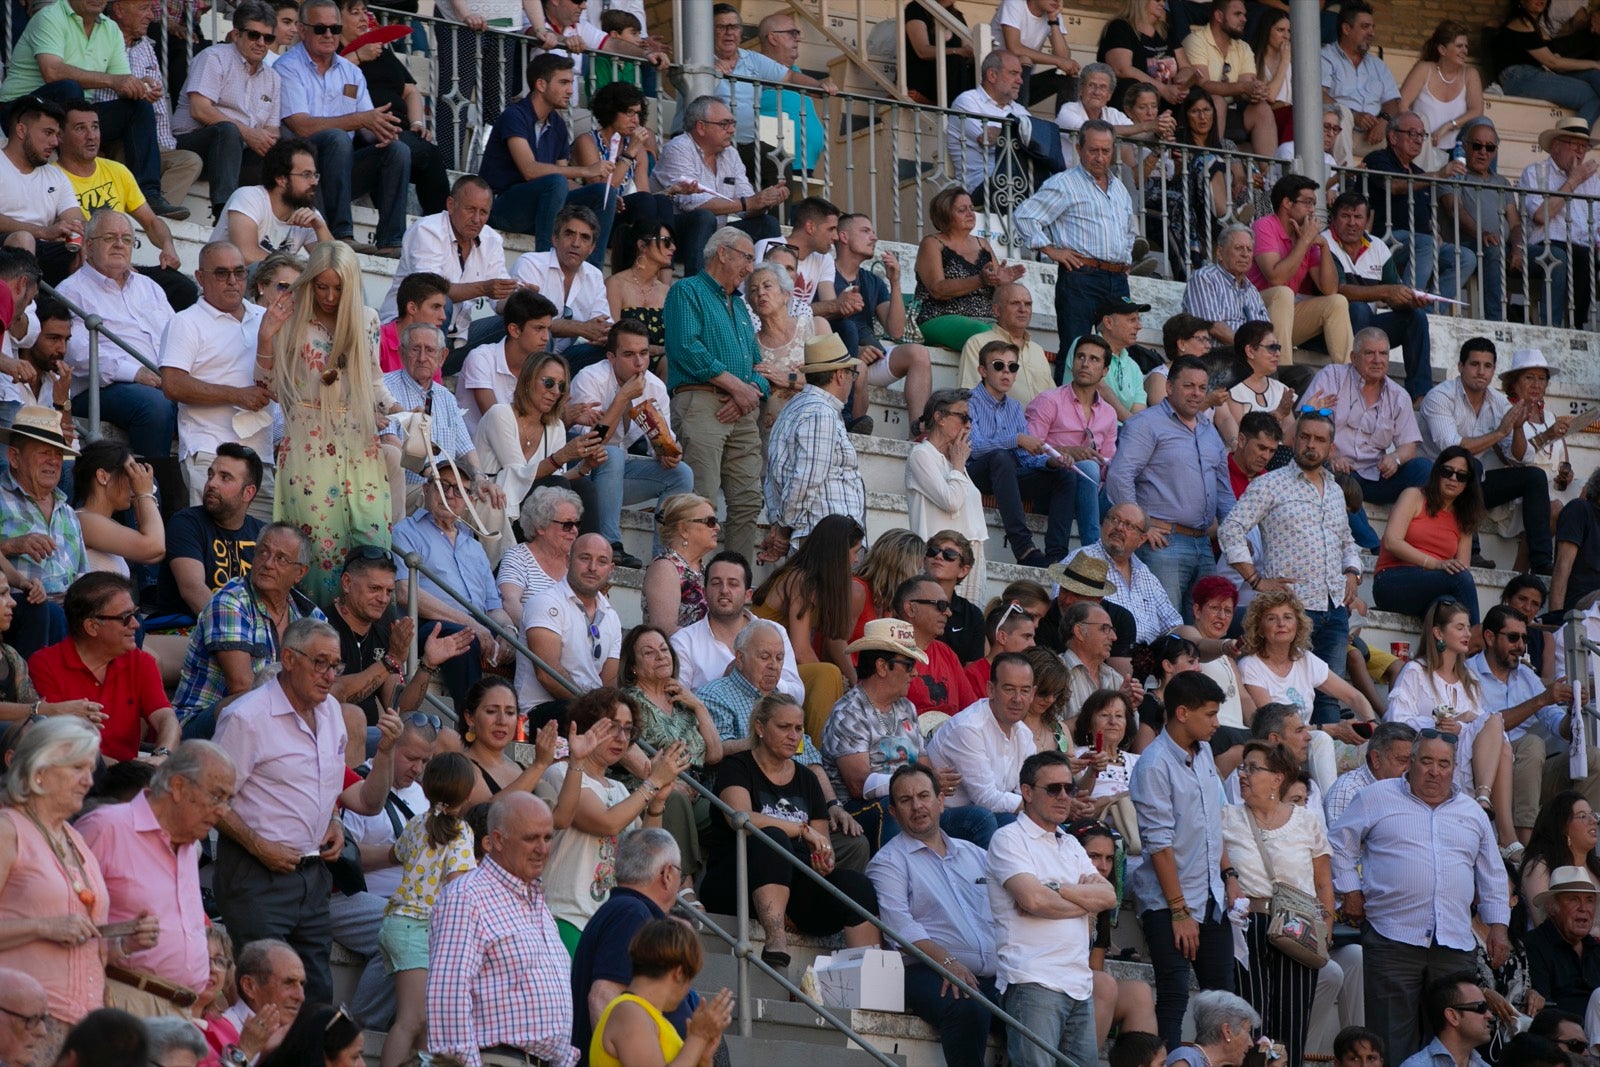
{"x":99,"y":661}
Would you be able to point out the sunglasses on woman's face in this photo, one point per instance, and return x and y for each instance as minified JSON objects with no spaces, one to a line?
{"x":557,"y":384}
{"x":1455,"y":474}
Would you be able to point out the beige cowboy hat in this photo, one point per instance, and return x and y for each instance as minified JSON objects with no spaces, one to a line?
{"x":1566,"y":880}
{"x":1569,"y":128}
{"x":38,"y":424}
{"x":827,"y":353}
{"x":888,"y":635}
{"x":1082,"y":574}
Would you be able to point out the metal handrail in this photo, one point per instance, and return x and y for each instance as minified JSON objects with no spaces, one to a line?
{"x":743,"y":832}
{"x":96,"y":326}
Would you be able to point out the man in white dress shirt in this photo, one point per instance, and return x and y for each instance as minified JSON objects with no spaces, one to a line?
{"x":616,"y":386}
{"x":970,"y":142}
{"x":703,"y":158}
{"x":705,"y":648}
{"x":565,"y":277}
{"x":459,"y":245}
{"x":1045,"y":892}
{"x":208,"y":368}
{"x":136,"y":310}
{"x":987,"y":743}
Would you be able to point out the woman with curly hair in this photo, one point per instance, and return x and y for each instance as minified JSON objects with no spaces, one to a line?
{"x":1564,"y":835}
{"x":814,"y":596}
{"x":1279,"y":667}
{"x":318,"y":345}
{"x":893,"y":558}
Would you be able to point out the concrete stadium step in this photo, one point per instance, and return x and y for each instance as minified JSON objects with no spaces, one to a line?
{"x":776,"y":1051}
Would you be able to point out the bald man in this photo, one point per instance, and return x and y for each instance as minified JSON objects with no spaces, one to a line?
{"x":23,"y":1009}
{"x":1013,"y":312}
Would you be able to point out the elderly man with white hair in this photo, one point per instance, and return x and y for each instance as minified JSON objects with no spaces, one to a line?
{"x":149,"y":853}
{"x":134,"y":308}
{"x":1563,"y":953}
{"x":715,"y":390}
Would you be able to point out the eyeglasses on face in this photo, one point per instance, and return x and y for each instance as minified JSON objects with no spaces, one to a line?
{"x":32,"y":1022}
{"x":118,"y":239}
{"x":1576,"y":1046}
{"x":907,"y":665}
{"x":1058,"y":789}
{"x":1454,"y":474}
{"x":941,"y":606}
{"x":1010,"y":368}
{"x":306,"y":175}
{"x":664,"y":240}
{"x":964,"y":416}
{"x":569,"y":525}
{"x":558,"y":384}
{"x":1483,"y":146}
{"x":257,"y":36}
{"x":318,"y":664}
{"x":121,"y":619}
{"x":709,"y":521}
{"x":948,"y":554}
{"x":226,"y":274}
{"x":1274,"y":347}
{"x":322,"y":28}
{"x":1477,"y":1007}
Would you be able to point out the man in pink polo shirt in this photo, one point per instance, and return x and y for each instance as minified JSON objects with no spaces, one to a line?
{"x":1298,"y":280}
{"x":148,"y":851}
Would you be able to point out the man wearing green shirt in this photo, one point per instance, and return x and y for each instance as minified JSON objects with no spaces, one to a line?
{"x":70,"y":48}
{"x":716,"y":392}
{"x":1123,"y":385}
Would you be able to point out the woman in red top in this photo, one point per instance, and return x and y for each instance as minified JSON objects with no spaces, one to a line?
{"x":1427,"y":546}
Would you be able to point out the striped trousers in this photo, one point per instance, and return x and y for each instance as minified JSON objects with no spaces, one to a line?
{"x":1279,"y":989}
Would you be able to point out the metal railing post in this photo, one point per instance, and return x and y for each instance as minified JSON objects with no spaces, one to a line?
{"x":414,"y":610}
{"x":93,"y":324}
{"x":741,"y":950}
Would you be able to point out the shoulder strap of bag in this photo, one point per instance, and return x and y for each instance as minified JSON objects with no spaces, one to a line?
{"x":1261,"y":846}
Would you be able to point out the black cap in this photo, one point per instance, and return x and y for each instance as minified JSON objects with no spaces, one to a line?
{"x":1118,"y":305}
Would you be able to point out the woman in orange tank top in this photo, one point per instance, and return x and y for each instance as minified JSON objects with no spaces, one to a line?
{"x":1427,"y":546}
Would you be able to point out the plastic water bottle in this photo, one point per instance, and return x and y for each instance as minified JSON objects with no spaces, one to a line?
{"x":1458,"y":154}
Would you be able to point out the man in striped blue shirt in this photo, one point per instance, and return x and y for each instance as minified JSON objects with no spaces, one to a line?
{"x":1417,"y":916}
{"x":1082,"y":219}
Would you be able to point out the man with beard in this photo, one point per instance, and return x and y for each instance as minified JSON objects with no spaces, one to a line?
{"x":208,"y":369}
{"x":213,"y":543}
{"x":280,"y":214}
{"x":39,"y":208}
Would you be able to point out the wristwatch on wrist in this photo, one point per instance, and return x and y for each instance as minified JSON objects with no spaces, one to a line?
{"x":234,"y":1056}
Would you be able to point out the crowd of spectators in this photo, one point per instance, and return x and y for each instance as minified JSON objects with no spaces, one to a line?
{"x":328,"y":655}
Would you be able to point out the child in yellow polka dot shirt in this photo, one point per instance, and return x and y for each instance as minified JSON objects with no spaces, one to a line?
{"x":433,"y":849}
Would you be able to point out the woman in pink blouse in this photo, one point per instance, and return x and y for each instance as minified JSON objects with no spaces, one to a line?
{"x":52,"y":897}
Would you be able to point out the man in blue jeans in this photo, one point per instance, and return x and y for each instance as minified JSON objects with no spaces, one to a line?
{"x":1172,"y":463}
{"x":358,"y":146}
{"x":616,"y":386}
{"x":1184,"y":885}
{"x":1044,"y":893}
{"x":1306,"y":544}
{"x":528,"y":162}
{"x":931,"y":889}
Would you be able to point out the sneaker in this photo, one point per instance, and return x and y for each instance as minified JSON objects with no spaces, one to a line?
{"x":622,"y":558}
{"x":387,"y":252}
{"x":1034,"y":558}
{"x":168,"y":211}
{"x":355,"y":245}
{"x":1484,"y":562}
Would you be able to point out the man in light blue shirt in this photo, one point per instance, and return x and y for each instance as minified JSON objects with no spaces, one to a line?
{"x":449,"y":549}
{"x":931,"y":891}
{"x":1185,"y":882}
{"x":1532,"y":712}
{"x":743,"y":97}
{"x":1171,"y":462}
{"x":1083,"y":220}
{"x":1411,"y":856}
{"x":1461,"y":1021}
{"x":1355,"y":79}
{"x":357,"y":146}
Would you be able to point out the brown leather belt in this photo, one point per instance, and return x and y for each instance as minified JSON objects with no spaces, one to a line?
{"x":700,"y":387}
{"x":1177,"y":528}
{"x":182,"y":996}
{"x":1105,"y":265}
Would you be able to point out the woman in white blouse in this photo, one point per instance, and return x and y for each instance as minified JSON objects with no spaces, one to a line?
{"x":1438,"y":692}
{"x":524,"y":443}
{"x":939,"y":495}
{"x":1296,"y":854}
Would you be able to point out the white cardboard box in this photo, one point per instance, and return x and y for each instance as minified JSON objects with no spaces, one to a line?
{"x":869,"y":978}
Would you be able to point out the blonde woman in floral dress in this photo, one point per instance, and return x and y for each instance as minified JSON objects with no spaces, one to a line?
{"x":331,"y":478}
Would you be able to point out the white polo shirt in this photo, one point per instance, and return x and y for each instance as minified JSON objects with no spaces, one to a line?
{"x":584,"y":301}
{"x":430,"y":245}
{"x":484,"y":368}
{"x":597,"y":384}
{"x":1053,"y":953}
{"x":559,"y":610}
{"x":217,"y":349}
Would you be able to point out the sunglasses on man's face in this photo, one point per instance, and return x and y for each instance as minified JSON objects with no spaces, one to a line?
{"x":949,"y":555}
{"x":1010,"y":368}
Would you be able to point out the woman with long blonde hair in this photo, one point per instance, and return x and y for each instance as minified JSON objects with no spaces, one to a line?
{"x":319,"y":344}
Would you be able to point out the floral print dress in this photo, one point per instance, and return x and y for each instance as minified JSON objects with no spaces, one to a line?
{"x":331,"y":480}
